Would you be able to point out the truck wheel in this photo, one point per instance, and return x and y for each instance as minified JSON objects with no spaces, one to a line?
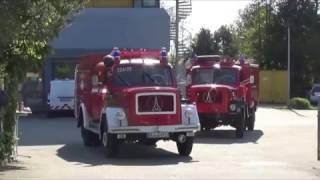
{"x":240,"y":126}
{"x":110,"y":144}
{"x":89,"y":138}
{"x":185,"y":148}
{"x":251,"y":121}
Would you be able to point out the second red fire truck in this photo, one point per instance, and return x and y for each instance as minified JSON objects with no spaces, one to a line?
{"x":131,"y":96}
{"x":224,"y":91}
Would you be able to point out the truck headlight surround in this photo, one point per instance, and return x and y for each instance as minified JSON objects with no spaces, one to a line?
{"x":121,"y":116}
{"x":188,"y":113}
{"x":233,"y":107}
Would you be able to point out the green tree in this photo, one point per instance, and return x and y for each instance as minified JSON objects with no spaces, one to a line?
{"x":203,"y":43}
{"x":263,"y":27}
{"x":26,"y":27}
{"x":224,"y":42}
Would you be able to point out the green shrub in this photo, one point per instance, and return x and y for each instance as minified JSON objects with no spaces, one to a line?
{"x":300,"y":103}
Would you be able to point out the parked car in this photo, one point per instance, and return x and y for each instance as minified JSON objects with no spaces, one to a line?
{"x":60,"y":96}
{"x":315,"y":94}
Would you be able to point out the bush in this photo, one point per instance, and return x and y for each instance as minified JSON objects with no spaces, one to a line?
{"x":300,"y":103}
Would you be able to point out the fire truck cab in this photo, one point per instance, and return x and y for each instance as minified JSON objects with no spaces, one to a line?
{"x":131,"y":96}
{"x":224,"y":91}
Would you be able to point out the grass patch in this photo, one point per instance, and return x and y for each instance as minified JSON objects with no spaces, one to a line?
{"x":300,"y":103}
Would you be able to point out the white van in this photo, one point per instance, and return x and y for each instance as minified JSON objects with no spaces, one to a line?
{"x":61,"y":96}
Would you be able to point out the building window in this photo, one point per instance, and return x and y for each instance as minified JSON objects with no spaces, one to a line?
{"x":147,"y":3}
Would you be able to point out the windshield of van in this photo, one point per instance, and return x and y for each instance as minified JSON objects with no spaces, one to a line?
{"x":141,"y":75}
{"x":215,"y":76}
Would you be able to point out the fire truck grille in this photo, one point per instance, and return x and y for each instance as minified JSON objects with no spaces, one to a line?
{"x":156,"y":104}
{"x":209,"y":97}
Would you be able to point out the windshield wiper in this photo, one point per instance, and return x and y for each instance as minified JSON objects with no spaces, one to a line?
{"x":123,"y":80}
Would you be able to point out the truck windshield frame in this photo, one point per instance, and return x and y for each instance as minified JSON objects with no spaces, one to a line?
{"x":226,"y":76}
{"x":141,"y":75}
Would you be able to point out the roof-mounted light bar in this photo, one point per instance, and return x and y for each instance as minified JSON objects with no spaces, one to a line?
{"x":141,"y":53}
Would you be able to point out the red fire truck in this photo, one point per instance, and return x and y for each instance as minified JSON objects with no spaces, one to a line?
{"x":224,"y":91}
{"x":131,"y":96}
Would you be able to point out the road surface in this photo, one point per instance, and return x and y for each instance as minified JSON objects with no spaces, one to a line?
{"x":283,"y":146}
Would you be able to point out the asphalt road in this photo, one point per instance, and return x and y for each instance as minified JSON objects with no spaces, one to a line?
{"x":283,"y":146}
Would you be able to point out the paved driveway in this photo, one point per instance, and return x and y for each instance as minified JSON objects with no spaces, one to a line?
{"x":283,"y":147}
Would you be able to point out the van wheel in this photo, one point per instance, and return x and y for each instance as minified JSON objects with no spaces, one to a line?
{"x":50,"y":114}
{"x":240,"y":125}
{"x":251,"y":121}
{"x":185,"y":148}
{"x":110,"y":143}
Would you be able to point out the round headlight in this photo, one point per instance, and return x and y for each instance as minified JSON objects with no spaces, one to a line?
{"x":233,"y":107}
{"x":121,"y":116}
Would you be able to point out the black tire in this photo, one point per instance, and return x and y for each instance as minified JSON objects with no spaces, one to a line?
{"x":89,"y":138}
{"x":240,"y":126}
{"x":251,"y":121}
{"x":185,"y":148}
{"x":110,"y":143}
{"x":50,"y":114}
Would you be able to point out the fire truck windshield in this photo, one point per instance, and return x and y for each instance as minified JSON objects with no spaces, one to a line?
{"x":141,"y":75}
{"x":215,"y":76}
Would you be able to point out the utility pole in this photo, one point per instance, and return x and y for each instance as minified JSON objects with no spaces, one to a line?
{"x":289,"y":63}
{"x":177,"y":32}
{"x":318,"y":130}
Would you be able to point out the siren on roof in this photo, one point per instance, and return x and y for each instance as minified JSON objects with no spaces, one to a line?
{"x":115,"y":52}
{"x":164,"y":55}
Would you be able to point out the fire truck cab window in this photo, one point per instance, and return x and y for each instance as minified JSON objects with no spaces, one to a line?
{"x":225,"y":76}
{"x":203,"y":76}
{"x":140,"y":75}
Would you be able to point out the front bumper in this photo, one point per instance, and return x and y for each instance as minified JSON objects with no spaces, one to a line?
{"x":213,"y":120}
{"x":152,"y":129}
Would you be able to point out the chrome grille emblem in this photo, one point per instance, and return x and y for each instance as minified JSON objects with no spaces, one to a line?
{"x":156,"y":107}
{"x":207,"y":97}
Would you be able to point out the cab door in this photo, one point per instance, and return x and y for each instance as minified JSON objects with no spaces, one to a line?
{"x":96,"y":97}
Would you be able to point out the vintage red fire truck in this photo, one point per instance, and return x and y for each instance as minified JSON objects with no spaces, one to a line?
{"x":224,"y":91}
{"x":131,"y":96}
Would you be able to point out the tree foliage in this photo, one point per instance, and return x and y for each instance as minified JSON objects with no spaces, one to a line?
{"x":26,"y":27}
{"x":264,"y":28}
{"x":221,"y":42}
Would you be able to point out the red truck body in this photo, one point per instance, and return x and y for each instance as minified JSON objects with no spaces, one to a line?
{"x":225,"y":92}
{"x":132,"y":99}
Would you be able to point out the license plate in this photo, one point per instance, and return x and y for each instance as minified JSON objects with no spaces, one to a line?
{"x":158,"y":135}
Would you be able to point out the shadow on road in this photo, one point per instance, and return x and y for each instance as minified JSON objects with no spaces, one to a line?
{"x":227,"y":137}
{"x":129,"y":155}
{"x":38,"y":131}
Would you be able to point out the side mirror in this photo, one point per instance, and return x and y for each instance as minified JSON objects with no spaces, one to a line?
{"x":251,"y":79}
